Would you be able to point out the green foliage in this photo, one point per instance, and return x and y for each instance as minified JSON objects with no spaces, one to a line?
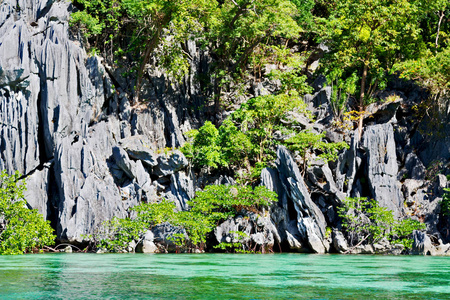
{"x":219,"y":202}
{"x":240,"y":243}
{"x":235,"y":146}
{"x":222,"y":201}
{"x":237,"y":28}
{"x":290,"y":72}
{"x":231,"y":30}
{"x":365,"y":219}
{"x":445,"y":204}
{"x":205,"y":149}
{"x":366,"y":38}
{"x":402,"y":231}
{"x":21,"y":229}
{"x":343,"y":90}
{"x":210,"y":206}
{"x":116,"y":235}
{"x":306,"y":141}
{"x":259,"y":117}
{"x":431,"y":71}
{"x":89,"y":24}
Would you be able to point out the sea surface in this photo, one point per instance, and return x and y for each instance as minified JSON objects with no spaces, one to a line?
{"x":223,"y":276}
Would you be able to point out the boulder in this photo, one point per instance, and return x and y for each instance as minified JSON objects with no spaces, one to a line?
{"x":163,"y":236}
{"x":170,"y":163}
{"x":339,"y":241}
{"x":422,"y":244}
{"x":138,"y":148}
{"x":146,"y":245}
{"x":259,"y":233}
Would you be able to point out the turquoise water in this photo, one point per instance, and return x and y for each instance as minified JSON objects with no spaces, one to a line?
{"x":223,"y":276}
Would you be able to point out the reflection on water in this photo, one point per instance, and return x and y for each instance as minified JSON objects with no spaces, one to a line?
{"x":223,"y":276}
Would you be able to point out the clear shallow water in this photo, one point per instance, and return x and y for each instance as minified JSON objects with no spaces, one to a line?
{"x":223,"y":276}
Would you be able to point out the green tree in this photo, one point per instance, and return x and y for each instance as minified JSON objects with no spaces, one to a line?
{"x":431,"y":71}
{"x":367,"y":37}
{"x":205,"y":150}
{"x":434,"y":23}
{"x":365,"y":220}
{"x":114,"y":21}
{"x":237,"y":29}
{"x":259,"y":117}
{"x":306,"y":142}
{"x":21,"y":229}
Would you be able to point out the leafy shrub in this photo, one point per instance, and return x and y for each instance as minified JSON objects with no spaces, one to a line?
{"x":364,"y":219}
{"x":445,"y":204}
{"x":21,"y":229}
{"x":217,"y":203}
{"x":116,"y":235}
{"x":307,"y":141}
{"x":214,"y":148}
{"x":210,"y":206}
{"x":239,"y":245}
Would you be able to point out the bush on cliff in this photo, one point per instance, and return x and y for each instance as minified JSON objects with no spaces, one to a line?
{"x":210,"y":206}
{"x":364,"y":220}
{"x":21,"y":229}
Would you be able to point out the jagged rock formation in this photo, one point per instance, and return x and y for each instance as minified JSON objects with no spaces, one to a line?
{"x":382,"y":167}
{"x":88,"y":155}
{"x":74,"y":135}
{"x":305,"y":225}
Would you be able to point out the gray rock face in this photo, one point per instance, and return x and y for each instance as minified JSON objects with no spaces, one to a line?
{"x":259,"y":232}
{"x":320,"y":104}
{"x":181,"y":189}
{"x":415,"y":168}
{"x":309,"y":221}
{"x":89,"y":154}
{"x":163,"y":236}
{"x":339,"y":242}
{"x":38,"y":183}
{"x":322,"y":178}
{"x":422,"y":244}
{"x":170,"y":163}
{"x":138,"y":148}
{"x":347,"y":166}
{"x":382,"y":168}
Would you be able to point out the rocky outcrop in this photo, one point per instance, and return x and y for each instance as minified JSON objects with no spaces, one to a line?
{"x":88,"y":153}
{"x":424,"y":246}
{"x":308,"y":220}
{"x":258,"y":233}
{"x":382,"y":167}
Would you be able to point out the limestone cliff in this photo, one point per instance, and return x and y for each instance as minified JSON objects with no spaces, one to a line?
{"x":88,"y":155}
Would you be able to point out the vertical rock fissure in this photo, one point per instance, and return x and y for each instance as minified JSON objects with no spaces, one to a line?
{"x":44,"y":156}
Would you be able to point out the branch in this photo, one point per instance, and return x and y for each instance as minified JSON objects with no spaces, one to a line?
{"x":352,"y":248}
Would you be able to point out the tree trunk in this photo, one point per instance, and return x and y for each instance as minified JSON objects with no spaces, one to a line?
{"x":441,"y":17}
{"x":361,"y":98}
{"x":162,"y":22}
{"x":151,"y":45}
